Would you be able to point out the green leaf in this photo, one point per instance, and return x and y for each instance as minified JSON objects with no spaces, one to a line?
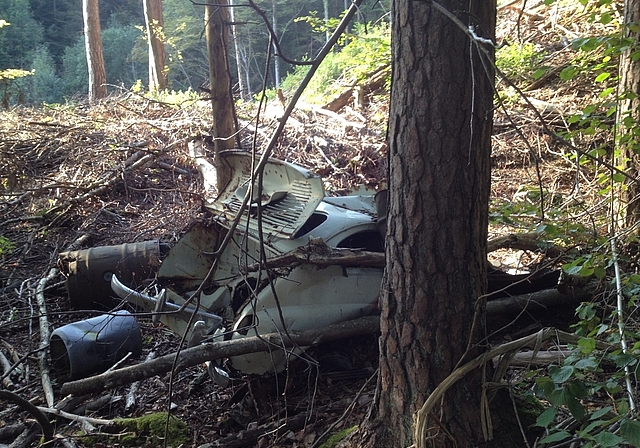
{"x":605,"y":18}
{"x":560,"y":374}
{"x":557,"y":397}
{"x":603,"y":77}
{"x":623,"y":359}
{"x":555,"y":437}
{"x":606,"y":438}
{"x":568,"y":73}
{"x":600,"y":412}
{"x":575,"y":407}
{"x":546,"y":417}
{"x":586,"y":364}
{"x":630,"y":432}
{"x":577,"y":389}
{"x":590,"y":427}
{"x":599,"y":272}
{"x":617,"y":177}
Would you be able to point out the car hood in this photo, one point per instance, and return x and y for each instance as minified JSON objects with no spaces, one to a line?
{"x":290,"y":194}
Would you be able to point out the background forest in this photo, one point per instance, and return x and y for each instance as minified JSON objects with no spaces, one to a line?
{"x":47,"y":38}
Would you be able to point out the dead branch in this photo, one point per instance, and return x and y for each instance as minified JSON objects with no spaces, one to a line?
{"x":45,"y":334}
{"x":543,"y":358}
{"x":524,"y":241}
{"x":421,"y":426}
{"x":374,"y":81}
{"x":317,"y":252}
{"x":11,"y":432}
{"x":133,"y":390}
{"x":224,"y":349}
{"x":6,"y":368}
{"x":539,"y":300}
{"x":75,"y":418}
{"x":47,"y":429}
{"x":139,"y":159}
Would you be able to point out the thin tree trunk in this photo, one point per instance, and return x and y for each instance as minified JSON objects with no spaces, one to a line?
{"x":93,"y":47}
{"x":155,"y":34}
{"x":236,"y":46}
{"x":224,"y":118}
{"x":628,"y":116}
{"x":276,"y":59}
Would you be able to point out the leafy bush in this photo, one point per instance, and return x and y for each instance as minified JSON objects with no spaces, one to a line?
{"x":367,"y":49}
{"x":518,"y":61}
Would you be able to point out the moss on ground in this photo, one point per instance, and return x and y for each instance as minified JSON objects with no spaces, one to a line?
{"x":148,"y":430}
{"x":337,"y":437}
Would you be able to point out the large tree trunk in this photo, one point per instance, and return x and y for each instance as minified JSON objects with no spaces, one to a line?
{"x":224,"y":119}
{"x":155,"y":33}
{"x":629,"y":115}
{"x":93,"y":46}
{"x":439,"y":148}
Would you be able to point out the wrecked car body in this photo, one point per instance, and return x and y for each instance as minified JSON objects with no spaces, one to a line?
{"x":234,"y":300}
{"x":214,"y":278}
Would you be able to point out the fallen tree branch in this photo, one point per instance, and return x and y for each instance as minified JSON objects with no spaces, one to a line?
{"x":75,"y":417}
{"x":531,"y":241}
{"x":224,"y":349}
{"x":6,"y":369}
{"x":318,"y":253}
{"x":374,"y":81}
{"x":543,"y":358}
{"x":539,"y":300}
{"x":45,"y":334}
{"x":139,"y":159}
{"x":421,"y":427}
{"x":47,"y":429}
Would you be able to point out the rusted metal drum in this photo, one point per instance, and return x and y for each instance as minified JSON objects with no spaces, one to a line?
{"x":89,"y":271}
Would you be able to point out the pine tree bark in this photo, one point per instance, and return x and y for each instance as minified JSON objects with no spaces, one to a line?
{"x":155,"y":34}
{"x":439,"y":180}
{"x":93,"y":47}
{"x":628,"y":115}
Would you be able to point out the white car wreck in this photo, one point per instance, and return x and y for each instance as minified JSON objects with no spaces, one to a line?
{"x":215,"y":279}
{"x":235,"y":300}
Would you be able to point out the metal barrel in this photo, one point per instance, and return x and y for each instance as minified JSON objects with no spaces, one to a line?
{"x":89,"y":346}
{"x":89,"y":271}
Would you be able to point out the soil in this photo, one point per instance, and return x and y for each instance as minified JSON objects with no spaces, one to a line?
{"x":71,"y":178}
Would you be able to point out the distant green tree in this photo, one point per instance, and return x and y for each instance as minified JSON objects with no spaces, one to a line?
{"x":297,"y":40}
{"x":45,"y":85}
{"x":186,"y":47}
{"x":61,"y":21}
{"x":124,"y":60}
{"x":123,"y":63}
{"x":8,"y":79}
{"x":19,"y":41}
{"x":74,"y":71}
{"x":126,"y":12}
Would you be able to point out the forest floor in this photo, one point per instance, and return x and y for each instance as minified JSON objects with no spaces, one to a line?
{"x":72,"y":178}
